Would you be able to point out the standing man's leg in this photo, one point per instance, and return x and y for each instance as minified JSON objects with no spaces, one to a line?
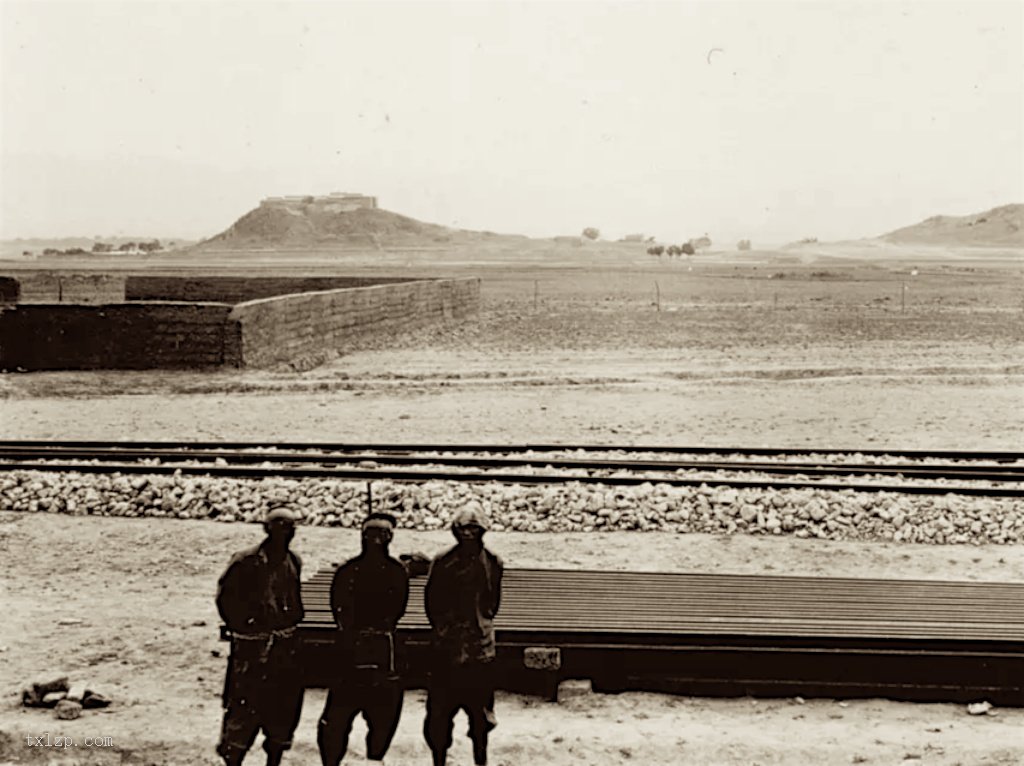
{"x":442,"y":705}
{"x":241,"y":722}
{"x":335,"y":725}
{"x":382,"y":711}
{"x":282,"y":708}
{"x":238,"y":731}
{"x":479,"y":701}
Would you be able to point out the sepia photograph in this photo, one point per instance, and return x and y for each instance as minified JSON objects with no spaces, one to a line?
{"x":509,"y":382}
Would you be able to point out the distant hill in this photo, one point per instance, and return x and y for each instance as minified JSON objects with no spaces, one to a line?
{"x":301,"y":226}
{"x":1000,"y":226}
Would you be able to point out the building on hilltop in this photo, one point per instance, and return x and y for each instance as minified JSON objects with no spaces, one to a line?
{"x":335,"y":202}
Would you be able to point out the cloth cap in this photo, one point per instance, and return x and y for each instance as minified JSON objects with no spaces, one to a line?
{"x":380,"y":521}
{"x":280,"y":514}
{"x":471,"y":515}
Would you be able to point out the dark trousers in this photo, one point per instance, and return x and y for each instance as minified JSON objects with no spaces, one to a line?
{"x":381,"y":706}
{"x":460,"y":687}
{"x":262,"y":691}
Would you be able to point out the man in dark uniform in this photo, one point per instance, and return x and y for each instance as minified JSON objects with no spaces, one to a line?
{"x":462,"y":597}
{"x":369,"y":594}
{"x":258,"y":598}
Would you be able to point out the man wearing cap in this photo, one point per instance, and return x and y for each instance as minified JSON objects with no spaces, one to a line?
{"x":259,"y":600}
{"x":462,"y":597}
{"x":369,"y":594}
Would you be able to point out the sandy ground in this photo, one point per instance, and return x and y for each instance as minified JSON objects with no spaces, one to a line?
{"x":143,"y":593}
{"x":856,"y":414}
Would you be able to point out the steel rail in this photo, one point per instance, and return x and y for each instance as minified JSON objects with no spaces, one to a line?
{"x":999,"y":456}
{"x":769,"y":583}
{"x":283,"y":471}
{"x":957,"y":472}
{"x":696,"y":633}
{"x":659,"y":603}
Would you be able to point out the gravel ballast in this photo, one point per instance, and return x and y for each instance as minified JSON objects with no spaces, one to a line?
{"x":569,"y":507}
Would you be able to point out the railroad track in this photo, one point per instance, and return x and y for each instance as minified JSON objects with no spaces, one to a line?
{"x":340,"y":447}
{"x":987,"y":474}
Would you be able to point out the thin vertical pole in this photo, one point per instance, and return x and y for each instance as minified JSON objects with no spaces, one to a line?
{"x":657,"y":294}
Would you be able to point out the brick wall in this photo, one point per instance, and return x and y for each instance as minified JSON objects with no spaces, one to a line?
{"x":55,"y":287}
{"x":290,"y":327}
{"x":141,"y":336}
{"x":237,"y":289}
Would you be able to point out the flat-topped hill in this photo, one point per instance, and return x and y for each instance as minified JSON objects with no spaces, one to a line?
{"x":310,"y":224}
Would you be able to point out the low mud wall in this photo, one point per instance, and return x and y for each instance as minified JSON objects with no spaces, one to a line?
{"x":124,"y":336}
{"x":303,"y":329}
{"x":97,"y":289}
{"x":237,"y":289}
{"x":309,"y":325}
{"x":56,"y":287}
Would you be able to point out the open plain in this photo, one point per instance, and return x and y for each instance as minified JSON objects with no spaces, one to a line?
{"x":856,"y":345}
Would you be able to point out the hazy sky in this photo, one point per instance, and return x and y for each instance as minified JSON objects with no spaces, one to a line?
{"x":765,"y":120}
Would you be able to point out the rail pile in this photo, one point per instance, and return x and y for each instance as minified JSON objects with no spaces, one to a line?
{"x":727,"y":635}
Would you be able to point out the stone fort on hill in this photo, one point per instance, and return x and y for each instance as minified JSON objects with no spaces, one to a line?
{"x":335,"y":202}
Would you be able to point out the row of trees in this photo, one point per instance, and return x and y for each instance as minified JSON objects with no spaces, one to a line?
{"x":691,"y":247}
{"x":684,"y":249}
{"x":103,"y":247}
{"x":128,"y":247}
{"x":687,"y":248}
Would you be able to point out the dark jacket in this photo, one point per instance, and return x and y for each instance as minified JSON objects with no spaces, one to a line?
{"x":462,"y":598}
{"x":368,"y":598}
{"x":254,"y":596}
{"x":368,"y":594}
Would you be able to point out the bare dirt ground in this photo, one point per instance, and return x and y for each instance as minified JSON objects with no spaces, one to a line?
{"x":890,"y":414}
{"x":822,"y":356}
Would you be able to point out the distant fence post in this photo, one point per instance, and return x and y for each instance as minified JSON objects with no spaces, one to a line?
{"x":657,"y":295}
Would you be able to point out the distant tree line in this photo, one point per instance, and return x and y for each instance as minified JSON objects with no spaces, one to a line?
{"x":684,"y":249}
{"x":69,"y":251}
{"x":104,"y":247}
{"x":691,"y":247}
{"x":687,"y":248}
{"x":128,"y":247}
